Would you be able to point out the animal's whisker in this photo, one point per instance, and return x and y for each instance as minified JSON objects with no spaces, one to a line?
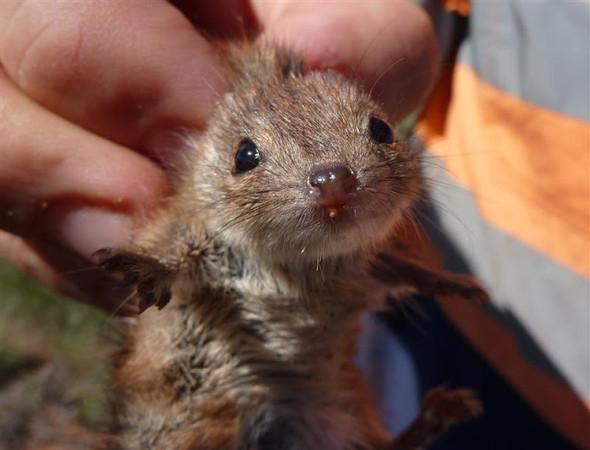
{"x":286,"y":228}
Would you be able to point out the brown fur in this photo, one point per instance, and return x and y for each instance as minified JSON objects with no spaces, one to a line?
{"x":254,"y":351}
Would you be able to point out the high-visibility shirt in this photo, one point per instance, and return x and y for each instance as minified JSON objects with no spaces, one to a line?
{"x":510,"y":123}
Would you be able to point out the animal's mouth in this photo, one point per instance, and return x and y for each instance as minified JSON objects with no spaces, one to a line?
{"x":359,"y":211}
{"x":331,"y":227}
{"x":337,"y":205}
{"x":345,"y":229}
{"x":343,"y":197}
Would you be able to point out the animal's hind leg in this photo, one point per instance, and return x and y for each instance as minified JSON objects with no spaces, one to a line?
{"x":441,"y":409}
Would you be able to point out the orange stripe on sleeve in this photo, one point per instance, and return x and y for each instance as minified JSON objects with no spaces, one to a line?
{"x":528,"y":167}
{"x":459,"y":6}
{"x":529,"y":170}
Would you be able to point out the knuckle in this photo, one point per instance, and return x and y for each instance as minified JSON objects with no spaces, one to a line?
{"x":46,"y":50}
{"x":50,"y":60}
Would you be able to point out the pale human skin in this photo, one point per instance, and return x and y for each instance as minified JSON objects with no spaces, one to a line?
{"x":90,"y":93}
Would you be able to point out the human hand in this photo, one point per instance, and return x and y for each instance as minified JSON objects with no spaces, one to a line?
{"x":89,"y":92}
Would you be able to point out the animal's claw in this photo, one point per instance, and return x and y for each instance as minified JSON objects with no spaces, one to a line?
{"x":149,"y":279}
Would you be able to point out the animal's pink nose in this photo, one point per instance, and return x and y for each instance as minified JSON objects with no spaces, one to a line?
{"x":333,"y":184}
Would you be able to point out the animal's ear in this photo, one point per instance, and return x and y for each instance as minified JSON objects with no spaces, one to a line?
{"x":256,"y":61}
{"x":148,"y":278}
{"x":291,"y":65}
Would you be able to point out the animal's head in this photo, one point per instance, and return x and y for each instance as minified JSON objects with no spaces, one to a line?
{"x":301,"y":163}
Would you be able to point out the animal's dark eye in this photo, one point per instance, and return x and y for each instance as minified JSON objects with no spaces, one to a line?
{"x":247,"y":156}
{"x":380,"y":131}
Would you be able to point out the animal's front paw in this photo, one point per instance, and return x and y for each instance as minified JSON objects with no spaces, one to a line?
{"x":450,"y":406}
{"x":400,"y":271}
{"x":149,"y":278}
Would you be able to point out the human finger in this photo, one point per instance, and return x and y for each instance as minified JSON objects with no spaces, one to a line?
{"x":62,"y":182}
{"x":128,"y":71}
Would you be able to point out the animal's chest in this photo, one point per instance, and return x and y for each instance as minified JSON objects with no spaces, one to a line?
{"x":262,"y":365}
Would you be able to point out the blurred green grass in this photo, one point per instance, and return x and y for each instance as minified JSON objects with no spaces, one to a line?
{"x":67,"y":340}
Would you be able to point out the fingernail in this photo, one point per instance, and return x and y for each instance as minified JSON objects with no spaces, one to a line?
{"x":86,"y":230}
